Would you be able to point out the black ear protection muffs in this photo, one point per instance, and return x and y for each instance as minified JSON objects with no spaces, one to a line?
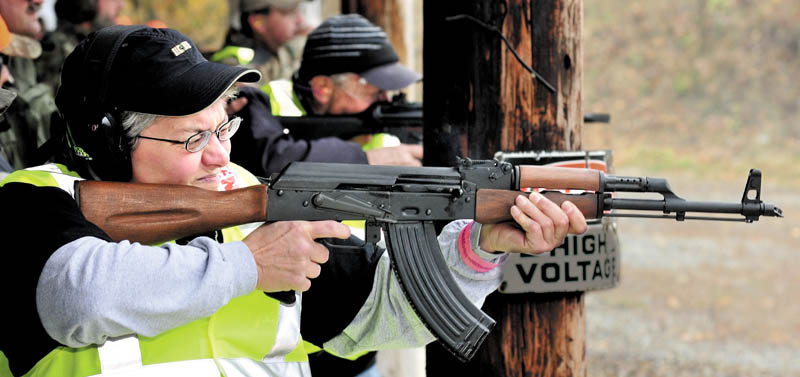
{"x":98,"y":146}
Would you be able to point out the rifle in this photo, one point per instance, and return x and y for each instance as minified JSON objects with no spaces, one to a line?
{"x":403,"y":202}
{"x":397,"y":117}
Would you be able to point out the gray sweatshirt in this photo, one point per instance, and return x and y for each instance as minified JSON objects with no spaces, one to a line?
{"x":91,"y":289}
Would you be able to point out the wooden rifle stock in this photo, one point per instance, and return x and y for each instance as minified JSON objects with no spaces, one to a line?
{"x":560,"y":178}
{"x":493,"y":206}
{"x":154,"y":213}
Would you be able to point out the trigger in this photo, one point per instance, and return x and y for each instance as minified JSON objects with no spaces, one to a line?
{"x":372,"y":232}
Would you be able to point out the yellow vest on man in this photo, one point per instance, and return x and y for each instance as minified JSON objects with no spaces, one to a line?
{"x":284,"y":102}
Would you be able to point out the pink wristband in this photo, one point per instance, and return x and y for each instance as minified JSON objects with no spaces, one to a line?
{"x":469,"y":257}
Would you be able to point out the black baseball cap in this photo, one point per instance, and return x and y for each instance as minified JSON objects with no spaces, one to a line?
{"x":142,"y":69}
{"x":350,"y":43}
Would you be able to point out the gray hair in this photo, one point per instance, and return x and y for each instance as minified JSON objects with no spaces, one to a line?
{"x":134,"y":123}
{"x":340,"y":79}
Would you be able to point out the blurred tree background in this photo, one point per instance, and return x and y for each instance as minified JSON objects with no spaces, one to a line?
{"x":706,"y":86}
{"x":205,"y":21}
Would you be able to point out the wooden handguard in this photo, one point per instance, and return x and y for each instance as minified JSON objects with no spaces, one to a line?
{"x":559,"y":178}
{"x":127,"y":211}
{"x":493,"y":206}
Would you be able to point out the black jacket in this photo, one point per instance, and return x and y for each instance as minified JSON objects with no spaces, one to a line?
{"x":261,"y":147}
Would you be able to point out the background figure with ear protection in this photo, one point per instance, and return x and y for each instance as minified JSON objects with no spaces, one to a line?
{"x":362,"y":71}
{"x":75,"y":20}
{"x":266,"y":35}
{"x":142,"y":105}
{"x":26,"y":124}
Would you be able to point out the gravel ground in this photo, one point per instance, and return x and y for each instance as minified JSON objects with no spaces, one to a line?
{"x":702,"y":298}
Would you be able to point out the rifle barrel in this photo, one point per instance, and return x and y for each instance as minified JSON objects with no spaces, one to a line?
{"x":683,"y":206}
{"x":676,"y":206}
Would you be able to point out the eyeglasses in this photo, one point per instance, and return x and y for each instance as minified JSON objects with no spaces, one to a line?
{"x":358,"y":87}
{"x":198,"y":141}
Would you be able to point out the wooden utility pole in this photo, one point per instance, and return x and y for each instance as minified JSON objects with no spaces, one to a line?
{"x":478,"y":100}
{"x":388,"y":14}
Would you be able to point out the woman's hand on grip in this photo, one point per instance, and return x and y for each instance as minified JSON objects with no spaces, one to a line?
{"x":287,"y":255}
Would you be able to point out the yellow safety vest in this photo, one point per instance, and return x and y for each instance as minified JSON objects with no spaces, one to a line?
{"x":253,"y":335}
{"x":280,"y":65}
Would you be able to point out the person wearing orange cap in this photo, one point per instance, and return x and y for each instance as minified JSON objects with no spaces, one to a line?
{"x":6,"y":96}
{"x":5,"y":35}
{"x":21,"y":16}
{"x":26,"y":123}
{"x":5,"y":41}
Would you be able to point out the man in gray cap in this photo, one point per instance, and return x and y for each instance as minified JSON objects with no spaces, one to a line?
{"x":260,"y":36}
{"x":348,"y":64}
